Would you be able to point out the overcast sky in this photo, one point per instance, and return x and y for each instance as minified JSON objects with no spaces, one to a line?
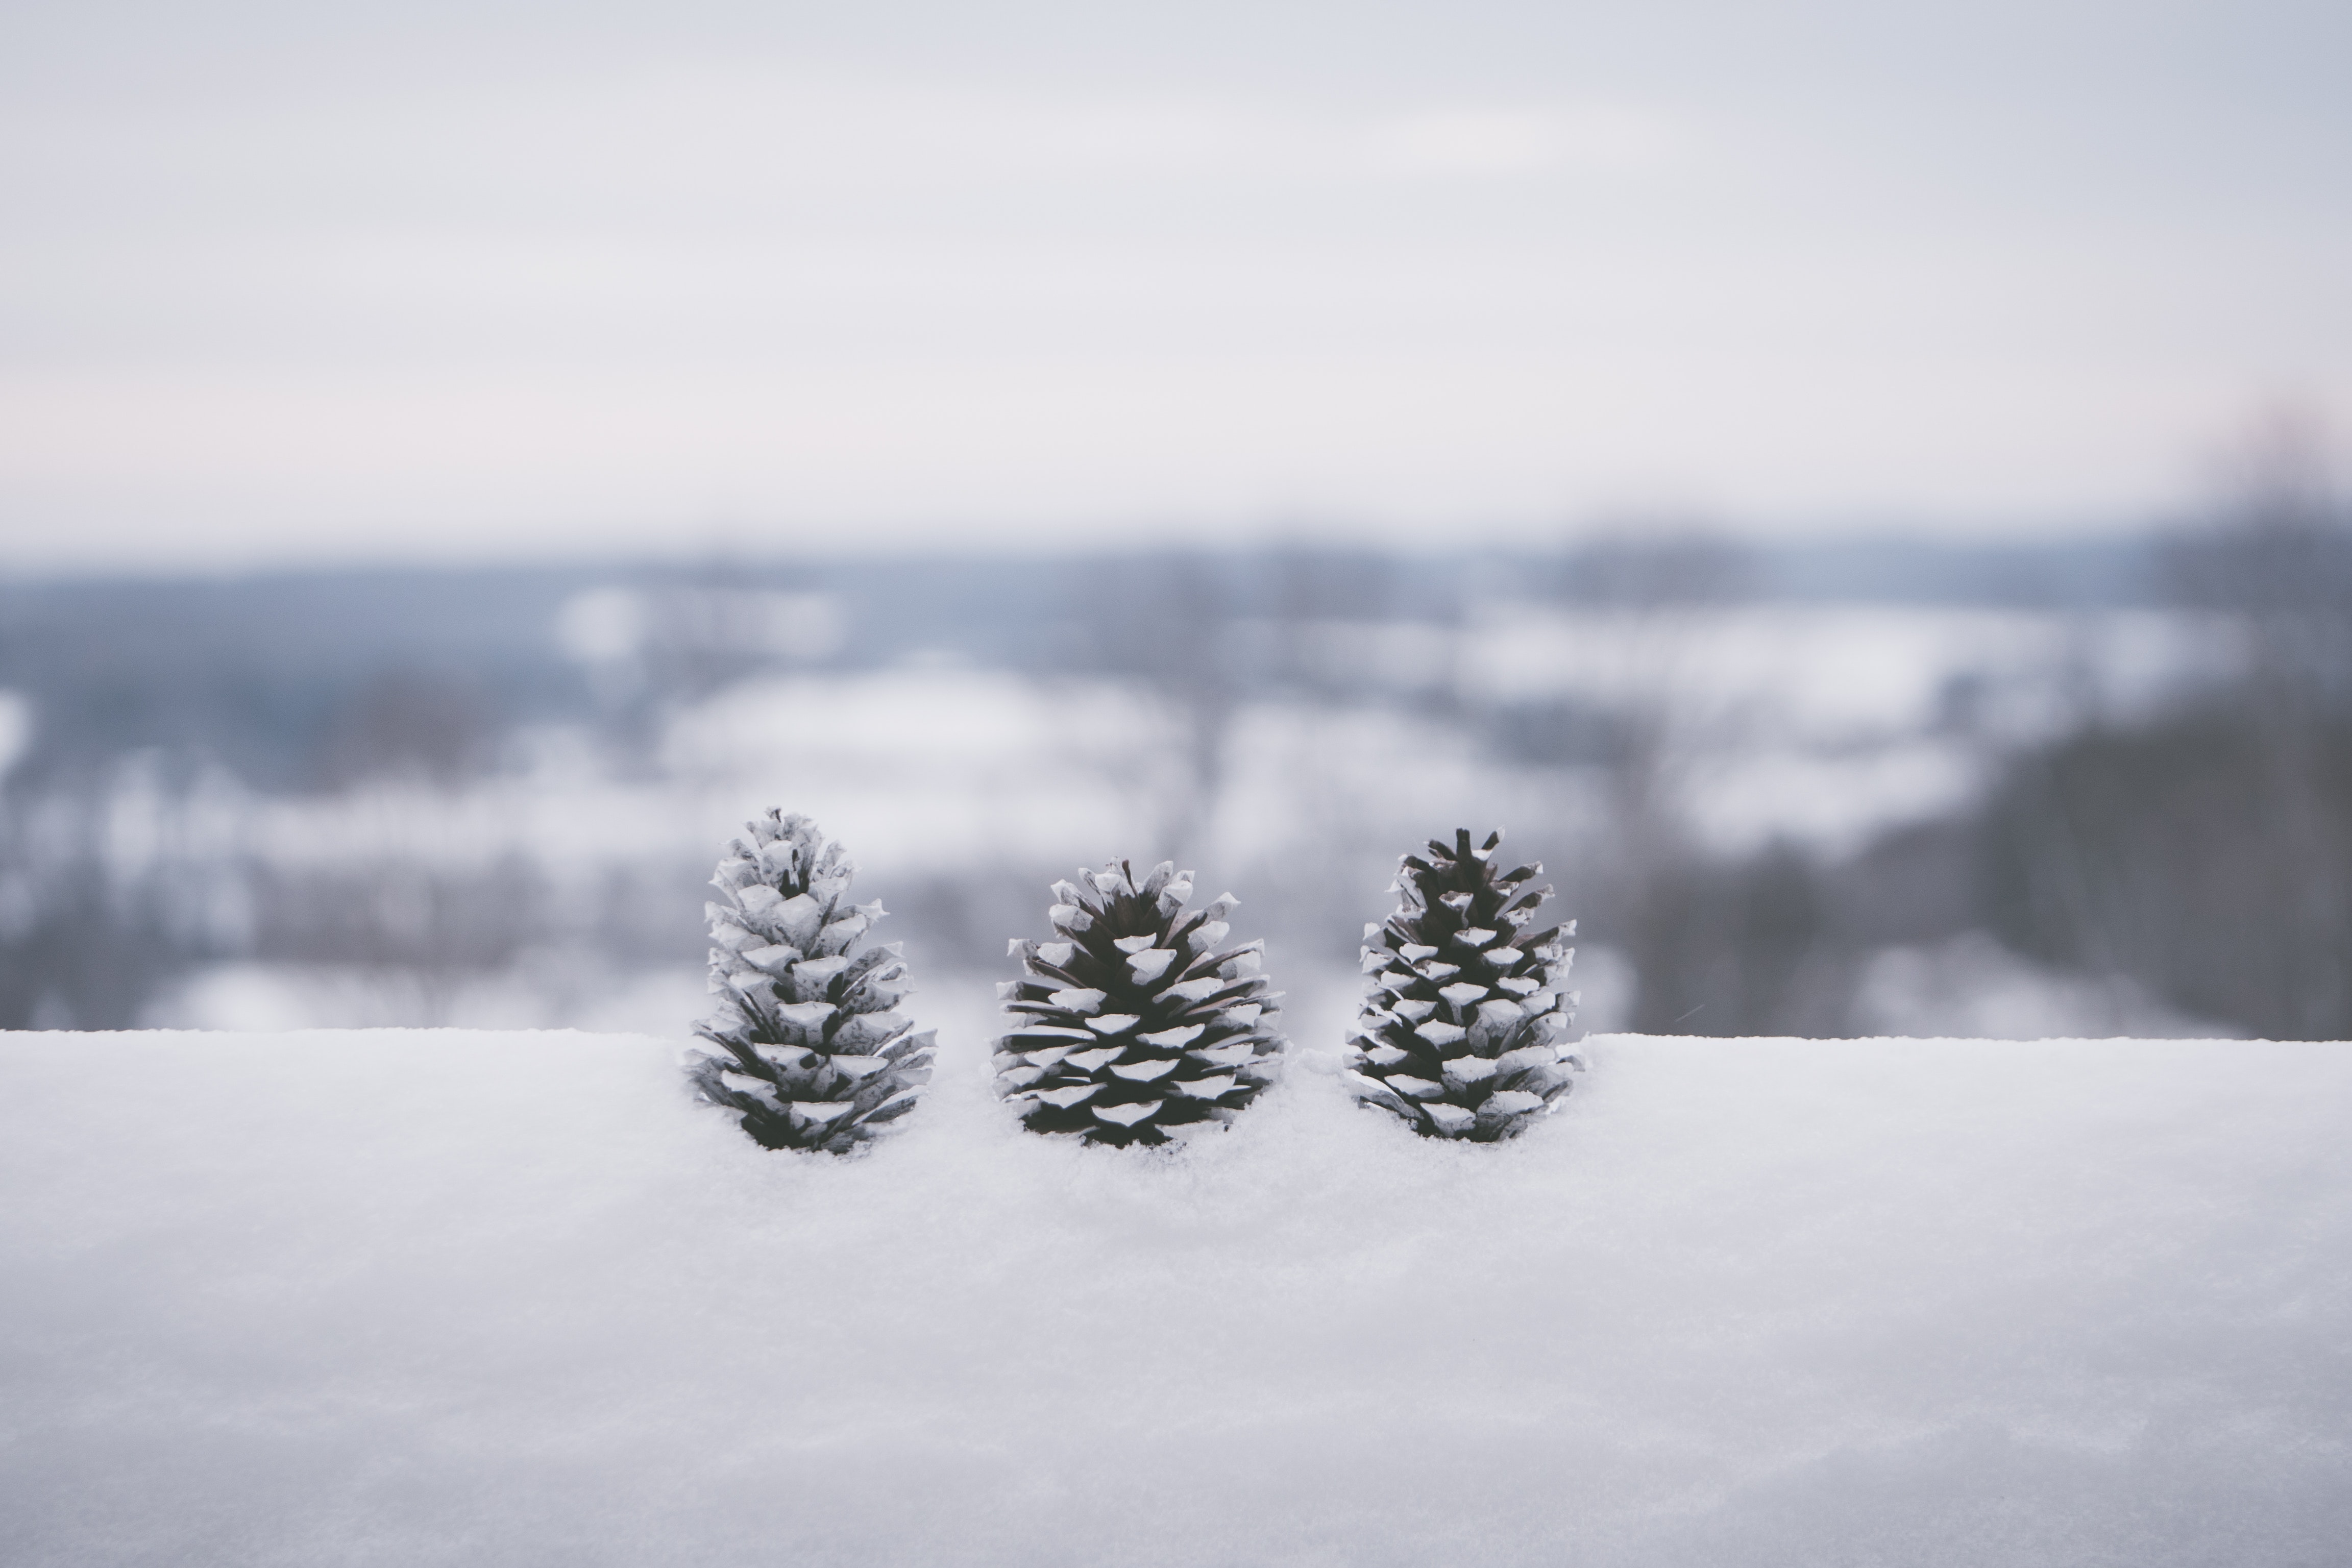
{"x":298,"y":282}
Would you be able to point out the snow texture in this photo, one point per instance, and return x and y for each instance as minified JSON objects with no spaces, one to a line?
{"x":1475,"y":1049}
{"x":809,"y":1054}
{"x":417,"y":1299}
{"x":1196,"y":1049}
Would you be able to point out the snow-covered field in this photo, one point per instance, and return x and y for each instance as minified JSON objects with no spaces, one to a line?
{"x":411,"y":1298}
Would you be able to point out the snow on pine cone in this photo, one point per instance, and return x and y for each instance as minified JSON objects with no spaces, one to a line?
{"x":810,"y":1053}
{"x":1462,"y":1031}
{"x":1133,"y":1024}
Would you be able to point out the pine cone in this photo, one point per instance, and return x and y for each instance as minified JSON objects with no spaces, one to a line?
{"x":814,"y":1056}
{"x":1463,"y":1032}
{"x":1133,"y":1024}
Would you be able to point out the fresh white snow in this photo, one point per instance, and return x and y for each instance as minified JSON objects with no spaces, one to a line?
{"x":412,"y":1297}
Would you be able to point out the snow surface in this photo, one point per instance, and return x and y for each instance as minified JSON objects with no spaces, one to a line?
{"x":412,"y":1297}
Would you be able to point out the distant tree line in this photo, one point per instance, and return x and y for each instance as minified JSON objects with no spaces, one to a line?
{"x":2204,"y":853}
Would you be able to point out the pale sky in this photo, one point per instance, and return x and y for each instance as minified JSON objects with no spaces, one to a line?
{"x":471,"y":281}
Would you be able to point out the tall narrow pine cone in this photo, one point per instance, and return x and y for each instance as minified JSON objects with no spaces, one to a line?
{"x":1133,"y":1024}
{"x":1464,"y":1030}
{"x":809,"y":1052}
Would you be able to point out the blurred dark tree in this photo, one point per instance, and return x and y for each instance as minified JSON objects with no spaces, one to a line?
{"x":1650,"y":584}
{"x":2193,"y":855}
{"x":434,"y":926}
{"x":1166,"y":622}
{"x":261,"y":675}
{"x":2208,"y":853}
{"x":101,"y":906}
{"x":1321,"y":583}
{"x":2277,"y":559}
{"x":695,"y":634}
{"x":71,"y":956}
{"x":1734,"y":946}
{"x":1721,"y":944}
{"x":1559,"y":731}
{"x":1676,"y":564}
{"x":410,"y":723}
{"x":1920,"y":882}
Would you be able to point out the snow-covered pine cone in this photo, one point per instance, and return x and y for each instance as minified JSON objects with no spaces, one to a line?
{"x":1464,"y":1030}
{"x":814,"y":1056}
{"x":1134,"y":1023}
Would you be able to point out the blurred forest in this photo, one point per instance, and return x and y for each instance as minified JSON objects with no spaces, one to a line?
{"x":1815,"y":790}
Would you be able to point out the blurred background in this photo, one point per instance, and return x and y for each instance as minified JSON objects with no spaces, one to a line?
{"x":1856,"y":493}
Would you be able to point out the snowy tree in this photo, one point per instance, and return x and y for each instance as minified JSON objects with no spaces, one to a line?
{"x":1463,"y":1029}
{"x":1134,"y":1023}
{"x":809,"y":1052}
